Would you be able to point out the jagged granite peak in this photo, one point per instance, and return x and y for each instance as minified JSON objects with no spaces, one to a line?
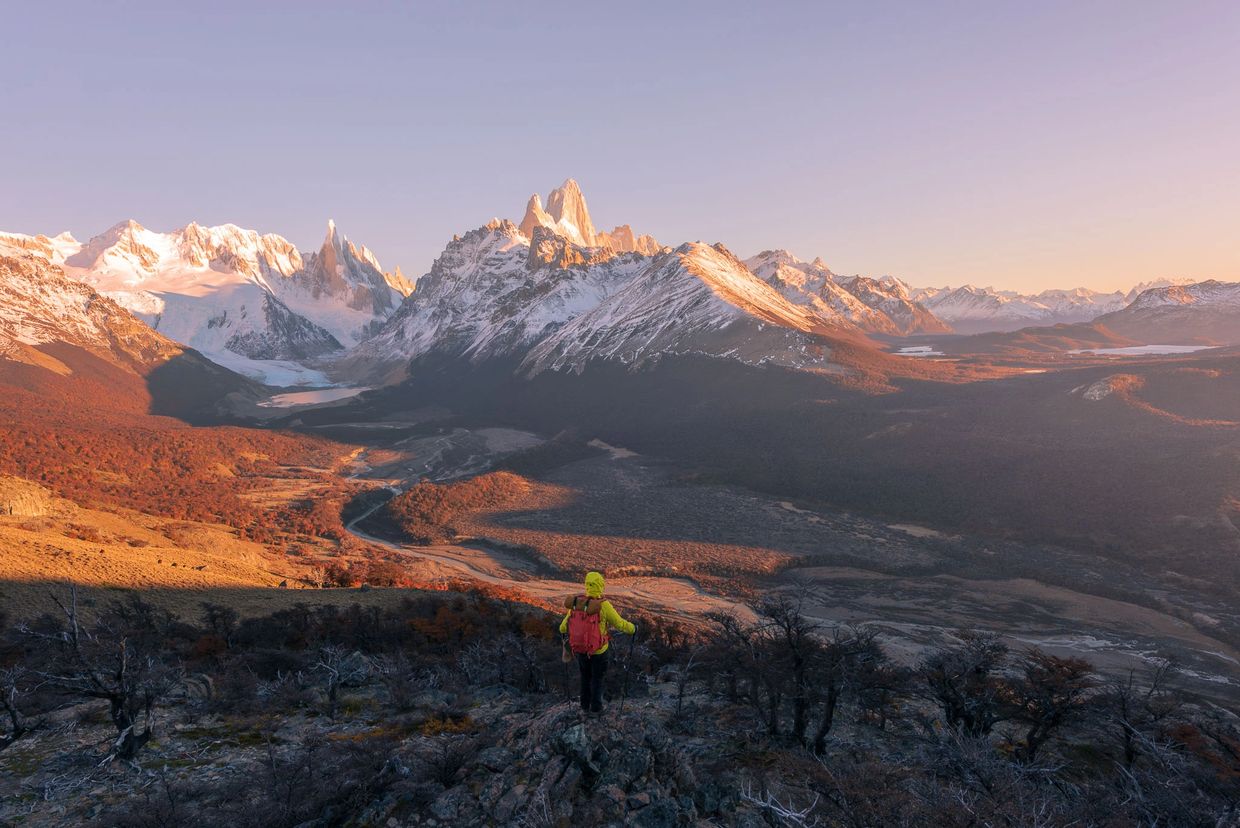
{"x":567,"y":207}
{"x":535,"y":216}
{"x":126,"y":245}
{"x":567,"y":215}
{"x":698,"y":299}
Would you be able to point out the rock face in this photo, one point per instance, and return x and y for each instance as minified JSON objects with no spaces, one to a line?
{"x":21,"y":498}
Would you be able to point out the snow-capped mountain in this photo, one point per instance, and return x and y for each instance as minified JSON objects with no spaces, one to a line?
{"x":1142,"y":287}
{"x":211,"y":288}
{"x":871,"y":305}
{"x":64,"y":343}
{"x":40,"y":306}
{"x":494,"y":292}
{"x":54,"y":249}
{"x":696,"y":299}
{"x":567,"y":215}
{"x":892,"y":298}
{"x":240,"y":297}
{"x":556,"y":293}
{"x":1201,"y":313}
{"x":971,"y":309}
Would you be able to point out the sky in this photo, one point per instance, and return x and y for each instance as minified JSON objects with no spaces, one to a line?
{"x":1015,"y":144}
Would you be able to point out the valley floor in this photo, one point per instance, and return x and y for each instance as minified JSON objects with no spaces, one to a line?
{"x":683,"y":546}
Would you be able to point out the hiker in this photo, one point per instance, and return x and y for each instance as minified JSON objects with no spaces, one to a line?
{"x":586,"y":623}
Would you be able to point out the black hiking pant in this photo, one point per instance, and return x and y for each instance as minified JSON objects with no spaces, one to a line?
{"x":592,"y":669}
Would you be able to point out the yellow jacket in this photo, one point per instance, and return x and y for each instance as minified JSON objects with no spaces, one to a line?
{"x":607,"y":615}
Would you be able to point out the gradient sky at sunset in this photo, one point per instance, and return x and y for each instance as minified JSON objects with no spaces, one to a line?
{"x":1024,"y":145}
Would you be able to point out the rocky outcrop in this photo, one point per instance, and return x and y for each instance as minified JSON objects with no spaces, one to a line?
{"x":21,"y":498}
{"x":623,"y":240}
{"x":548,"y":249}
{"x":554,"y":768}
{"x":399,"y":282}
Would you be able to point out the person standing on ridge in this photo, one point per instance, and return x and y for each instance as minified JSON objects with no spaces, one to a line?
{"x":587,"y":621}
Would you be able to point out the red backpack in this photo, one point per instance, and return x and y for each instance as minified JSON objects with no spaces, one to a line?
{"x":584,"y":635}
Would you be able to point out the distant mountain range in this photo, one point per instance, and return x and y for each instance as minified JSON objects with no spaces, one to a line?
{"x":554,"y":293}
{"x":972,"y":309}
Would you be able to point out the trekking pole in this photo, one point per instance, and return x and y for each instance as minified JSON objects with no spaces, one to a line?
{"x":563,"y":649}
{"x":624,"y":694}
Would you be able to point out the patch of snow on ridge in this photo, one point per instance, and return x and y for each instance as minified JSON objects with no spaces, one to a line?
{"x":1107,"y":386}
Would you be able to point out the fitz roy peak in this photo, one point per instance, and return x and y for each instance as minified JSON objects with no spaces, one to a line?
{"x":494,"y":292}
{"x":567,"y":215}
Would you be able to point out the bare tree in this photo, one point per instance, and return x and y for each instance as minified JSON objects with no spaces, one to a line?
{"x":13,"y":681}
{"x":684,"y":676}
{"x":101,"y":663}
{"x":1137,"y":707}
{"x":784,"y":811}
{"x":221,"y":621}
{"x":791,"y":638}
{"x":964,"y":682}
{"x":1051,"y":691}
{"x":340,"y":668}
{"x":850,"y":661}
{"x":747,"y":646}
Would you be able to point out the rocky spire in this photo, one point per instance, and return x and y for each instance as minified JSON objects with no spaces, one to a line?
{"x":567,"y":207}
{"x":535,"y":216}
